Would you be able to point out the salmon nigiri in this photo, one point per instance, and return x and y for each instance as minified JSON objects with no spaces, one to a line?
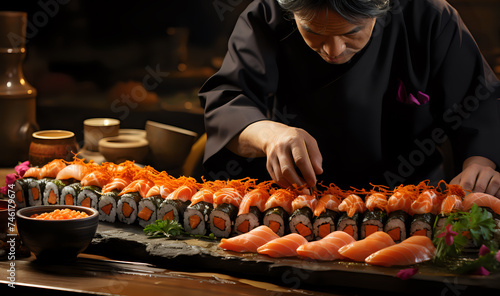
{"x":73,"y":171}
{"x":413,"y":250}
{"x":285,"y":246}
{"x":250,"y":241}
{"x":375,"y":215}
{"x":399,"y":209}
{"x":226,"y":203}
{"x":326,"y":249}
{"x":33,"y":172}
{"x":359,"y":250}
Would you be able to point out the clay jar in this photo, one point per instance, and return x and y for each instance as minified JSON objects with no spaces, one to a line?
{"x":97,"y":128}
{"x":52,"y":144}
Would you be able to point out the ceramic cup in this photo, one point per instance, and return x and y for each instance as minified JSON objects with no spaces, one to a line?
{"x":95,"y":129}
{"x":48,"y":145}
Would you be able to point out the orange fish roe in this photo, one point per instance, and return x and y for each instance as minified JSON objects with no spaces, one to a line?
{"x":64,"y":214}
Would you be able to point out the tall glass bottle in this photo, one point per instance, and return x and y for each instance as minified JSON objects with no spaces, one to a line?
{"x":17,"y":96}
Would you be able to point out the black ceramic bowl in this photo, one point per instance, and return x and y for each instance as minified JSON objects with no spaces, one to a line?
{"x":56,"y":240}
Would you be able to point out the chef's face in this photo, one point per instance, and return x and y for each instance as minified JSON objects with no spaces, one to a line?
{"x":335,"y":39}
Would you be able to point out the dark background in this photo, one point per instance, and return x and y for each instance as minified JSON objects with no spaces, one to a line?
{"x":77,"y":50}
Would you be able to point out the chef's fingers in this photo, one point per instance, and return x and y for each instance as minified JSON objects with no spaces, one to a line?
{"x":468,"y":177}
{"x":493,"y":184}
{"x":302,"y":160}
{"x":315,"y":155}
{"x":288,"y":171}
{"x":273,"y":168}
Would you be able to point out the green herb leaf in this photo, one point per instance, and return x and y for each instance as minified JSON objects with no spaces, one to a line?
{"x":163,"y":228}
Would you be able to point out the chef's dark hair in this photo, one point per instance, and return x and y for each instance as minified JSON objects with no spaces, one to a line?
{"x":351,"y":10}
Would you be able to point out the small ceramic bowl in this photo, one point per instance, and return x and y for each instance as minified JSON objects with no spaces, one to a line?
{"x":94,"y":129}
{"x":56,"y":240}
{"x":121,"y":148}
{"x":48,"y":145}
{"x":132,"y":132}
{"x":169,"y":145}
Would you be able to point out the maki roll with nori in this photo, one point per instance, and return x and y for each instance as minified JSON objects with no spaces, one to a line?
{"x":110,"y":196}
{"x":35,"y":191}
{"x":397,"y":225}
{"x":251,"y":208}
{"x":302,"y":216}
{"x":375,"y":216}
{"x":52,"y":191}
{"x":88,"y":197}
{"x":22,"y":189}
{"x":128,"y":204}
{"x":424,"y":210}
{"x":69,"y":194}
{"x":452,"y":202}
{"x":352,"y":208}
{"x":399,"y":209}
{"x":148,"y":209}
{"x":197,"y":214}
{"x":175,"y":203}
{"x":221,"y":219}
{"x":278,"y":209}
{"x":326,"y":213}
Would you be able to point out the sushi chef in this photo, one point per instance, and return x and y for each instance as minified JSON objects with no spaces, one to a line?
{"x":353,"y":92}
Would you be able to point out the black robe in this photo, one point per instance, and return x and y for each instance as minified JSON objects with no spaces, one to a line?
{"x":363,"y":113}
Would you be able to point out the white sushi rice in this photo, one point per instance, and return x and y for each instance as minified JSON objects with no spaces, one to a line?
{"x":50,"y":187}
{"x":103,"y":201}
{"x":20,"y":187}
{"x":150,"y":205}
{"x":94,"y":198}
{"x":34,"y":200}
{"x":119,"y":209}
{"x":70,"y":189}
{"x":297,"y":219}
{"x":321,"y":221}
{"x":251,"y":218}
{"x":201,"y":229}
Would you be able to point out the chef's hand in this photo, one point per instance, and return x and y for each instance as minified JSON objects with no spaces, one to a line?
{"x":479,"y":175}
{"x":286,"y":148}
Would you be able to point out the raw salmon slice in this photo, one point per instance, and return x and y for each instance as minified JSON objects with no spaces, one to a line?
{"x":256,"y":198}
{"x":326,"y":249}
{"x":482,"y":200}
{"x":359,"y":250}
{"x":285,"y":246}
{"x":413,"y":250}
{"x":250,"y":241}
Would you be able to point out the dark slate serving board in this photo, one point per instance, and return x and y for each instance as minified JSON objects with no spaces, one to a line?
{"x":127,"y":242}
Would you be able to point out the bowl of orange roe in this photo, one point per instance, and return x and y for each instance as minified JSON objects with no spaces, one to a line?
{"x":57,"y":233}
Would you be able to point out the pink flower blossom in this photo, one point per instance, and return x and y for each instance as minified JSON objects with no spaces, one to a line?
{"x":22,"y":168}
{"x":3,"y":190}
{"x":11,"y":178}
{"x":498,"y":256}
{"x":483,"y":250}
{"x":448,"y":235}
{"x":482,"y":271}
{"x":405,"y":274}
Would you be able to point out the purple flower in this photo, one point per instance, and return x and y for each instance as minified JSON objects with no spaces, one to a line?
{"x":404,"y":97}
{"x":482,"y":271}
{"x":405,"y":274}
{"x":4,"y":190}
{"x":22,"y":168}
{"x":448,"y":234}
{"x":483,"y":250}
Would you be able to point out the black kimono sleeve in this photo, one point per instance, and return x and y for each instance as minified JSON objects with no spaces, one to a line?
{"x":236,"y":95}
{"x":469,"y":88}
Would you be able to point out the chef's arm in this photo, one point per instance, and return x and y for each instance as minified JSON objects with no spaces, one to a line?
{"x":479,"y":175}
{"x":286,"y":149}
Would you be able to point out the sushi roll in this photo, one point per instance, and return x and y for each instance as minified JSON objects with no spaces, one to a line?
{"x":69,"y":194}
{"x":148,"y":209}
{"x":110,"y":196}
{"x":89,"y":197}
{"x":451,"y":203}
{"x":302,"y":216}
{"x":352,"y":208}
{"x":197,"y":214}
{"x":35,"y":191}
{"x":399,"y":209}
{"x":277,"y":211}
{"x":424,"y":210}
{"x":108,"y":206}
{"x":21,"y":192}
{"x":375,"y":217}
{"x":51,"y":193}
{"x":173,"y":206}
{"x":326,"y":213}
{"x":397,"y":225}
{"x":251,"y":208}
{"x":22,"y":189}
{"x":221,"y":219}
{"x":128,"y":204}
